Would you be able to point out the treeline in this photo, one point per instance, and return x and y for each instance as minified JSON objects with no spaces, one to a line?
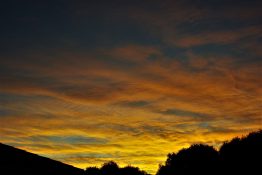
{"x":238,"y":156}
{"x":111,"y":168}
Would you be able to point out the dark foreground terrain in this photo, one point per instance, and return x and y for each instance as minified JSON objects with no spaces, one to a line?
{"x":238,"y":156}
{"x":14,"y":161}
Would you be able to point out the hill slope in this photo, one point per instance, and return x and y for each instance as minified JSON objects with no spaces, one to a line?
{"x":15,"y":161}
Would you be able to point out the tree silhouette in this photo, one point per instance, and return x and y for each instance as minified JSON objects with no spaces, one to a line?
{"x":110,"y":168}
{"x":198,"y":159}
{"x":242,"y":155}
{"x":238,"y":156}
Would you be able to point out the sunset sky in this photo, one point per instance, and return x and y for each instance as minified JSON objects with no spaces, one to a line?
{"x":85,"y":82}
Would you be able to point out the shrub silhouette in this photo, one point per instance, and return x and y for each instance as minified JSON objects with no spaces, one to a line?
{"x":130,"y":170}
{"x":93,"y":171}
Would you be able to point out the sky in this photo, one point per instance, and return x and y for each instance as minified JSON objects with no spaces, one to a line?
{"x":85,"y":82}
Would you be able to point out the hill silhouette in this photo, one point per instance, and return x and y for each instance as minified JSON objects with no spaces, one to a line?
{"x":15,"y":161}
{"x":238,"y":156}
